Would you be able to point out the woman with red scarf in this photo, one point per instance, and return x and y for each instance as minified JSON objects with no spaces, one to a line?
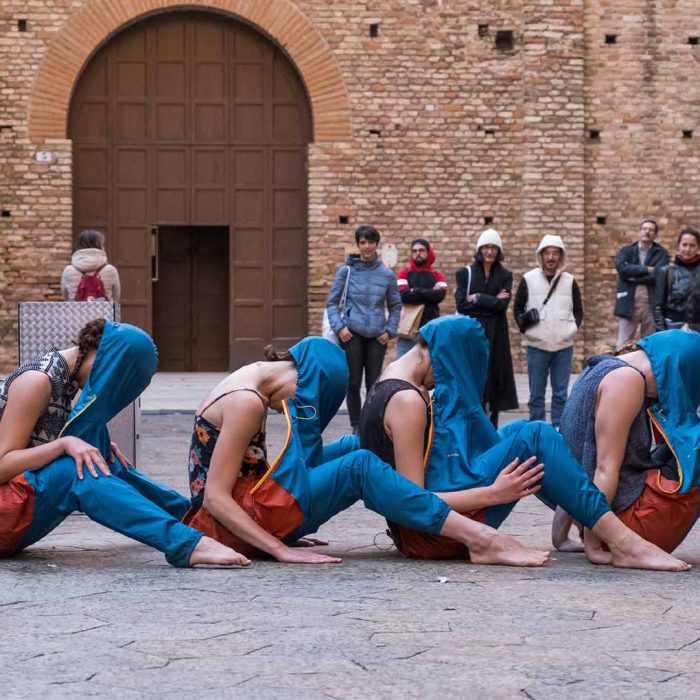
{"x":677,"y":289}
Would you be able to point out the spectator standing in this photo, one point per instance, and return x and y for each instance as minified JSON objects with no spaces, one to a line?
{"x":362,"y":326}
{"x":90,"y":270}
{"x":636,"y":266}
{"x":483,"y":292}
{"x":549,"y":342}
{"x":677,"y":290}
{"x":419,"y":284}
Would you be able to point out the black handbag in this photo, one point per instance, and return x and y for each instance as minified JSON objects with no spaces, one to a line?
{"x":532,"y":317}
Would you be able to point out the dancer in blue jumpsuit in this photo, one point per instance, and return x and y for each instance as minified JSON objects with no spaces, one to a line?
{"x":38,"y":490}
{"x":616,"y":406}
{"x":466,"y":454}
{"x":261,"y":507}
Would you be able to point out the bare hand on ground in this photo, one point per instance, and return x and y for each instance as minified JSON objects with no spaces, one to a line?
{"x":309,"y":542}
{"x":304,"y":556}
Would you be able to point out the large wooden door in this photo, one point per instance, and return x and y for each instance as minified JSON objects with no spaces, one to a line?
{"x":194,"y":119}
{"x":190,"y":298}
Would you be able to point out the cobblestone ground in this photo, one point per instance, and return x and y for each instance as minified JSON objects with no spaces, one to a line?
{"x":88,"y":613}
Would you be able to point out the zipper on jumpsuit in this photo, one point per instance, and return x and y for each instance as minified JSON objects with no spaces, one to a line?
{"x":271,"y":467}
{"x":656,"y":425}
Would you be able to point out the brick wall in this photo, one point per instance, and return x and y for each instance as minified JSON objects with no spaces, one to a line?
{"x":448,"y":128}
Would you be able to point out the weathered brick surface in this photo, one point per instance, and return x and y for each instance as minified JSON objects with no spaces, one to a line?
{"x":467,"y":130}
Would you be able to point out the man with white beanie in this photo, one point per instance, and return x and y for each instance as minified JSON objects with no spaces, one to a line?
{"x":548,"y":311}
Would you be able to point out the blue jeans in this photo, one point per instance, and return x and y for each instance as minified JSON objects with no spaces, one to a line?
{"x":540,"y":365}
{"x":403,"y":345}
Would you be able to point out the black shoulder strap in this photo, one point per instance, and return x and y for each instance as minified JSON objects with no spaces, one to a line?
{"x":552,"y":287}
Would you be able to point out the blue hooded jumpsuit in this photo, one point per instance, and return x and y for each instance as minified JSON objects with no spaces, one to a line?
{"x":468,"y":452}
{"x":37,"y":501}
{"x":667,"y":508}
{"x":309,"y":483}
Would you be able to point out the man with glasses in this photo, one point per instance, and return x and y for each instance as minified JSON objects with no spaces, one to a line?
{"x":419,"y":284}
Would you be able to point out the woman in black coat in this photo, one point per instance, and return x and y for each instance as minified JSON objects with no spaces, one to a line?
{"x":483,"y":292}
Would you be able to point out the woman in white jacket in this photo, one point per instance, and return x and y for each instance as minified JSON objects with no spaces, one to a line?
{"x":90,"y":259}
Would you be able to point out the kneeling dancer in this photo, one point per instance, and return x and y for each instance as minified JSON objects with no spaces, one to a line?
{"x":45,"y":448}
{"x":449,"y":446}
{"x":615,"y":408}
{"x":260,"y":508}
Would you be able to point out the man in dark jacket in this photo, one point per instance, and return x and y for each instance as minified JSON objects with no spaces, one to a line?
{"x":636,"y":266}
{"x":420,"y":284}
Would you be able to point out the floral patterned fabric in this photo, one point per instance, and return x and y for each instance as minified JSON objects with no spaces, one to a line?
{"x":204,"y":437}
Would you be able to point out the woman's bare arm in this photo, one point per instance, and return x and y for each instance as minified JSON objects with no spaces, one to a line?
{"x":243,"y":413}
{"x":405,"y":421}
{"x":27,"y":399}
{"x":620,"y":398}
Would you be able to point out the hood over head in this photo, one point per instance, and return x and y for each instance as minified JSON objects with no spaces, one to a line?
{"x":322,"y":376}
{"x":551,"y":241}
{"x":124,"y":365}
{"x":88,"y":259}
{"x":675,"y":360}
{"x":459,"y":355}
{"x":429,"y":260}
{"x":489,"y":237}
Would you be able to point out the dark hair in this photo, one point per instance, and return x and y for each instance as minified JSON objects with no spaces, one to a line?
{"x":420,"y":341}
{"x":479,"y":256}
{"x":688,"y":231}
{"x":89,"y":338}
{"x":368,"y":232}
{"x":650,"y":221}
{"x":272,"y":355}
{"x":90,"y":239}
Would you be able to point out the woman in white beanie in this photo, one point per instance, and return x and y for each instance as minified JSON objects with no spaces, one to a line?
{"x":483,"y":292}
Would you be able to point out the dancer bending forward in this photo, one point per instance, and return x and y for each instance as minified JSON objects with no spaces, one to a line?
{"x":616,"y":406}
{"x":45,"y":449}
{"x":450,"y":447}
{"x":261,"y":508}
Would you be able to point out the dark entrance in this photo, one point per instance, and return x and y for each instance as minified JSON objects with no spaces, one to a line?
{"x":190,"y":298}
{"x":192,"y":119}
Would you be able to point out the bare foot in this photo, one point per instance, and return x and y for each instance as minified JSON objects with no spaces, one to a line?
{"x":495,"y":548}
{"x":597,"y":555}
{"x":569,"y":545}
{"x":633,"y":552}
{"x":209,"y":551}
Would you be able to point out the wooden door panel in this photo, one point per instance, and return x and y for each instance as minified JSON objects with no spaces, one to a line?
{"x":185,"y":119}
{"x":172,"y":299}
{"x":210,"y":308}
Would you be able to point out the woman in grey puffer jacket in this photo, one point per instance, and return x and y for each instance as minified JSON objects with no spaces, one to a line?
{"x":362,"y":325}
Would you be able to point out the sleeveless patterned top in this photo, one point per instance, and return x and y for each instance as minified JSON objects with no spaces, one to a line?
{"x":51,"y":422}
{"x":202,"y":444}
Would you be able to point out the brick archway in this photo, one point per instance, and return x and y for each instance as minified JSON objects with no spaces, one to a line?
{"x":97,"y":21}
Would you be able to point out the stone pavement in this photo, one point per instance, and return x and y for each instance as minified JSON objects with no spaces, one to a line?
{"x":88,"y":613}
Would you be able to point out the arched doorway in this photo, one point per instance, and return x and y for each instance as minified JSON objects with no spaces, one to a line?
{"x":189,"y":136}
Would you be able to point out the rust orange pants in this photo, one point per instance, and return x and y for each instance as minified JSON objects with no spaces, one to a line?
{"x":659,"y":516}
{"x":421,"y":545}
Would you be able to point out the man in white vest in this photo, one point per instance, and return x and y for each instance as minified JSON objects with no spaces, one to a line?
{"x":548,"y":311}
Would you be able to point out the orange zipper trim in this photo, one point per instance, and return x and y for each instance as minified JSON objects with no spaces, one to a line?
{"x":77,"y":415}
{"x":655,"y":423}
{"x":431,"y":433}
{"x":271,"y":467}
